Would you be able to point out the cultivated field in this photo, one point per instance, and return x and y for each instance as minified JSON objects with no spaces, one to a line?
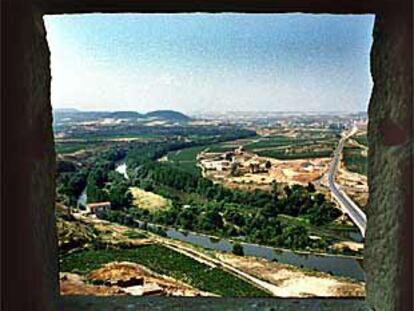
{"x":186,"y":159}
{"x":165,"y":261}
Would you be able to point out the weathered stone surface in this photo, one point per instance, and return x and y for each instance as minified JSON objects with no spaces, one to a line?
{"x":29,"y":262}
{"x":388,"y":245}
{"x":75,"y":303}
{"x":179,"y":6}
{"x":29,"y":255}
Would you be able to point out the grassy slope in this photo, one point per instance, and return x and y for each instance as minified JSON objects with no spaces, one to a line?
{"x":149,"y":200}
{"x":186,"y":159}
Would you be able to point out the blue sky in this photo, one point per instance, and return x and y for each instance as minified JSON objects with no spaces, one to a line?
{"x":217,"y":62}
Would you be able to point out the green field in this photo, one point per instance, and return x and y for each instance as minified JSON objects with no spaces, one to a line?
{"x":355,"y":161}
{"x":186,"y":159}
{"x":295,"y":155}
{"x":307,"y":139}
{"x":63,"y":148}
{"x":273,"y":147}
{"x":313,"y":146}
{"x":168,"y":262}
{"x":330,"y":232}
{"x":274,"y":142}
{"x":133,"y":234}
{"x":187,"y":154}
{"x":220,"y":148}
{"x":362,"y":139}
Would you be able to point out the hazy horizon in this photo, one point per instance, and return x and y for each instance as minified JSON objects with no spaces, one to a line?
{"x":198,"y":63}
{"x":208,"y":111}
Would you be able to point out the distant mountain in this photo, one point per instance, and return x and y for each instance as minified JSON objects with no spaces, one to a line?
{"x":65,"y":110}
{"x":169,"y":115}
{"x":73,"y":115}
{"x":124,"y":115}
{"x":62,"y":115}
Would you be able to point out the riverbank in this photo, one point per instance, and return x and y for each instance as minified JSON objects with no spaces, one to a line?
{"x":341,"y":265}
{"x":335,"y":264}
{"x":276,"y":249}
{"x":293,"y":282}
{"x":280,"y":279}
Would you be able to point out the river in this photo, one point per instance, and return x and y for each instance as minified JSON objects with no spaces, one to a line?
{"x":120,"y":167}
{"x":336,"y":265}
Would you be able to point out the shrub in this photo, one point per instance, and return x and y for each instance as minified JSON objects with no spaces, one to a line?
{"x":238,"y":249}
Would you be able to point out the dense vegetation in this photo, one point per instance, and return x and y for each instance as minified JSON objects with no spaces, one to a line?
{"x":292,"y":154}
{"x":197,"y":203}
{"x":93,"y":174}
{"x":355,"y":161}
{"x":161,"y":132}
{"x":70,"y":186}
{"x":200,"y":205}
{"x":238,"y":249}
{"x":167,"y":262}
{"x":101,"y":186}
{"x":186,"y":159}
{"x":362,"y":139}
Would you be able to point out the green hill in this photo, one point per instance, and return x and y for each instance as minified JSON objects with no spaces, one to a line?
{"x":169,"y":115}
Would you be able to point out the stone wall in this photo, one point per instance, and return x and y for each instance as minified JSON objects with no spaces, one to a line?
{"x":388,"y":252}
{"x":29,"y":252}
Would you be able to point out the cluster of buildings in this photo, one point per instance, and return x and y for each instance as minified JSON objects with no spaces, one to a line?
{"x":236,"y":162}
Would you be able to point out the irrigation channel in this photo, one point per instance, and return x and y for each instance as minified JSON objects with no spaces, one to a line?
{"x":337,"y":265}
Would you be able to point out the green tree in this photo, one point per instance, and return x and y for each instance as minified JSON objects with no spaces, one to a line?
{"x":274,"y":192}
{"x":310,"y":187}
{"x":120,"y":196}
{"x":238,"y":249}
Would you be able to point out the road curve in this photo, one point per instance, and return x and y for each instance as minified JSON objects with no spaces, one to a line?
{"x":347,"y":205}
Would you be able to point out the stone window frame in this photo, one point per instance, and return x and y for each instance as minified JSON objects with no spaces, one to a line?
{"x":29,"y":249}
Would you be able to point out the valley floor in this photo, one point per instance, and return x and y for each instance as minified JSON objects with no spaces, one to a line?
{"x":177,"y":268}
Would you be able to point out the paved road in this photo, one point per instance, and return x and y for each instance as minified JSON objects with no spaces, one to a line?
{"x":347,"y":205}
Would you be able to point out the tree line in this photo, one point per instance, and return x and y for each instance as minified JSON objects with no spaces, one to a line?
{"x":198,"y":203}
{"x":202,"y":206}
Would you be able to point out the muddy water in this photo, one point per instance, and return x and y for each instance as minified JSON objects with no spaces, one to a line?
{"x":336,"y":265}
{"x":120,"y":167}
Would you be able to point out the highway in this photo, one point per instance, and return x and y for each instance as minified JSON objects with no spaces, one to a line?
{"x":348,"y":206}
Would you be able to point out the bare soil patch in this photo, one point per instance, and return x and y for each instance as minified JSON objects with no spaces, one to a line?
{"x":293,"y":282}
{"x":355,"y":185}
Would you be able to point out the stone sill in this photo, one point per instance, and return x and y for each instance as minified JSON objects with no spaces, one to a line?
{"x":93,"y":303}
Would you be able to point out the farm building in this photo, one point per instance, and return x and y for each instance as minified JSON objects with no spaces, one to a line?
{"x":97,"y":207}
